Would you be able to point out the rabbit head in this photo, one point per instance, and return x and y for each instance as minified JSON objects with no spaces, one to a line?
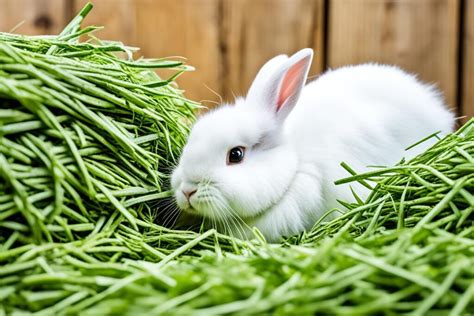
{"x":237,"y":163}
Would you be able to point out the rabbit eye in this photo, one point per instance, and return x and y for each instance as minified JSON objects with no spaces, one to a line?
{"x":235,"y":155}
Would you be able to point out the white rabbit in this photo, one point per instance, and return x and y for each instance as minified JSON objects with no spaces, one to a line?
{"x":270,"y":160}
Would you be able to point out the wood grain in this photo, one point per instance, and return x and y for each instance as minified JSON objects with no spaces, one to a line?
{"x":420,"y":36}
{"x":33,"y":17}
{"x":116,"y":16}
{"x":168,"y":28}
{"x":229,"y":40}
{"x":468,"y":61}
{"x":256,"y":31}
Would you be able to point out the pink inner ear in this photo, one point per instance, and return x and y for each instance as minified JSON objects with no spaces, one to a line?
{"x":291,"y":82}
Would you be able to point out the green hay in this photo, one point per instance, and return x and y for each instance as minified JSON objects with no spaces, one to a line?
{"x":83,"y":133}
{"x":407,"y":249}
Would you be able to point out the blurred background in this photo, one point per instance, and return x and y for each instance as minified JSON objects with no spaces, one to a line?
{"x":228,"y":40}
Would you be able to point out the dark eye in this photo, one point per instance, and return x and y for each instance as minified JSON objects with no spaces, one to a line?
{"x":235,"y":155}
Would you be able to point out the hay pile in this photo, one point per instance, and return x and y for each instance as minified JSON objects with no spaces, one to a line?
{"x":85,"y":140}
{"x":83,"y":133}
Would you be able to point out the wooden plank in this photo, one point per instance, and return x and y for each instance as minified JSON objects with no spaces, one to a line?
{"x":468,"y":61}
{"x":189,"y":29}
{"x":116,"y":16}
{"x":38,"y":16}
{"x":227,"y":41}
{"x":255,"y":31}
{"x":420,"y":36}
{"x":168,"y":28}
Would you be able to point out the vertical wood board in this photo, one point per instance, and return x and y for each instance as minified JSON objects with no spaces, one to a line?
{"x":256,"y":31}
{"x":162,"y":28}
{"x":420,"y":36}
{"x":33,"y":17}
{"x":468,"y":61}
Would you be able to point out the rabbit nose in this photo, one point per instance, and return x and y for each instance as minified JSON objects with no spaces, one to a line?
{"x":188,"y":194}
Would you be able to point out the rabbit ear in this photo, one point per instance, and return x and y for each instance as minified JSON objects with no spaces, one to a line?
{"x":278,"y":84}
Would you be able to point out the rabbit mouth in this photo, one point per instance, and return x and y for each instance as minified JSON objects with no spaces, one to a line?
{"x":210,"y":204}
{"x":217,"y":211}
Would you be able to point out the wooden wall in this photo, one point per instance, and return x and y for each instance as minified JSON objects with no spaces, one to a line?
{"x":228,"y":40}
{"x":467,"y":61}
{"x":421,"y":36}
